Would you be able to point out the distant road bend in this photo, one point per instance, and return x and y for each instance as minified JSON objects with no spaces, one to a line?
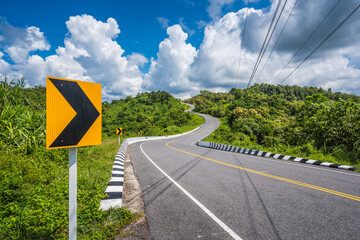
{"x":192,"y":192}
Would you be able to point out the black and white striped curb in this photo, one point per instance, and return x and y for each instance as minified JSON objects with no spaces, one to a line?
{"x":114,"y":189}
{"x":230,"y":148}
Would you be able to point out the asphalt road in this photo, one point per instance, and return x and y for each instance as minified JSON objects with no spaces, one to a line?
{"x":192,"y":192}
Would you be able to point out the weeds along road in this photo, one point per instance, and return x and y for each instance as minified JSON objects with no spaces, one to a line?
{"x":192,"y":192}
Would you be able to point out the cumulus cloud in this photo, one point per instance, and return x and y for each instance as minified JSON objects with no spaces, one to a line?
{"x":20,"y":42}
{"x":215,"y":65}
{"x":90,"y":53}
{"x":215,"y":7}
{"x":137,"y":59}
{"x":101,"y":56}
{"x":171,"y":68}
{"x":336,"y":53}
{"x":335,"y":65}
{"x":217,"y":61}
{"x":4,"y":66}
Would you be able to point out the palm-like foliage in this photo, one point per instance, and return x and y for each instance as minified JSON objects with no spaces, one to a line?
{"x":21,"y":129}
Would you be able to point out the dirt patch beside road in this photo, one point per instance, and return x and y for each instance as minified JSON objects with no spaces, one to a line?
{"x":132,"y":200}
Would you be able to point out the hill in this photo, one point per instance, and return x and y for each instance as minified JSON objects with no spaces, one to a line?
{"x":153,"y":113}
{"x":299,"y":121}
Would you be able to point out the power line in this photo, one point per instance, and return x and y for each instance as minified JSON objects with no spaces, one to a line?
{"x":306,"y":41}
{"x":322,"y":43}
{"x":242,"y":43}
{"x":266,"y":40}
{"x":277,"y":40}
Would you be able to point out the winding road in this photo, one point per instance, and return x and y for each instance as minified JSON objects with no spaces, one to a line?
{"x":192,"y":192}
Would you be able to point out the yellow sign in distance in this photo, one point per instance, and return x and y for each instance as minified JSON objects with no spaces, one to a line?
{"x":140,"y":133}
{"x":119,"y":131}
{"x":73,"y":113}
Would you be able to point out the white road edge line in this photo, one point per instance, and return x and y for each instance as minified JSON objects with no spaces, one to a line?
{"x":207,"y":211}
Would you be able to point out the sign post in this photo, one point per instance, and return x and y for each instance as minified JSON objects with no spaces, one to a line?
{"x":73,"y":119}
{"x":72,"y":192}
{"x":119,"y":132}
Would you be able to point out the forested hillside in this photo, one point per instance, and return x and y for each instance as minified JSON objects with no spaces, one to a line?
{"x":34,"y":181}
{"x":153,"y":113}
{"x":300,"y":121}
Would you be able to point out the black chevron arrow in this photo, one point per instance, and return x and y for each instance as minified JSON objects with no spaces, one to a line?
{"x":86,"y":113}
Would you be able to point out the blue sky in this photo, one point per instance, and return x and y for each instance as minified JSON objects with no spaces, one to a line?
{"x":141,"y":30}
{"x":181,"y":46}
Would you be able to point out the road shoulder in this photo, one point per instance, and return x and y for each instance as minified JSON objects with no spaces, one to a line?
{"x":132,"y":200}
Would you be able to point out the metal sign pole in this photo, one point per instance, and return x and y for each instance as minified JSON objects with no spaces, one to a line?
{"x":72,"y":193}
{"x":119,"y":139}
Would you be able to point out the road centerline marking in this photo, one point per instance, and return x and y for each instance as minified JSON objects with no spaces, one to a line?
{"x":199,"y":204}
{"x":341,"y":194}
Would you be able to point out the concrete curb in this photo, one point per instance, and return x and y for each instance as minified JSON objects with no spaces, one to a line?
{"x":114,"y":188}
{"x":230,"y":148}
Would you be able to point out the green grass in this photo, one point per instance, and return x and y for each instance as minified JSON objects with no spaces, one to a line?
{"x":34,"y":199}
{"x":196,"y":122}
{"x":221,"y":135}
{"x":34,"y":187}
{"x":187,"y":107}
{"x":34,"y":181}
{"x":170,"y":130}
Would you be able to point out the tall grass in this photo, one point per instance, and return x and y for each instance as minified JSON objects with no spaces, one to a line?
{"x":34,"y":181}
{"x":20,"y":128}
{"x":224,"y":135}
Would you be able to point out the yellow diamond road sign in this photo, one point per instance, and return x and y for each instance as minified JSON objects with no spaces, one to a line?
{"x":73,"y":113}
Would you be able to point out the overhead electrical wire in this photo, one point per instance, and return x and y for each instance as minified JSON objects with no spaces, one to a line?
{"x":306,"y":41}
{"x":242,"y":43}
{"x":277,"y":40}
{"x":321,"y":43}
{"x":266,"y":40}
{"x":264,"y":43}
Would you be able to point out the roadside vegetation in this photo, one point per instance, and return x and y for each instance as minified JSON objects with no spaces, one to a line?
{"x":34,"y":181}
{"x":298,"y":121}
{"x":152,"y":113}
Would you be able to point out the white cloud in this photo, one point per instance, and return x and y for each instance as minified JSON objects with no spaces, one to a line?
{"x":6,"y":71}
{"x":4,"y":66}
{"x":104,"y":62}
{"x":215,"y":7}
{"x":170,"y":70}
{"x":23,"y":42}
{"x":164,"y":22}
{"x":90,"y":54}
{"x":335,"y":65}
{"x":137,"y":59}
{"x":217,"y":61}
